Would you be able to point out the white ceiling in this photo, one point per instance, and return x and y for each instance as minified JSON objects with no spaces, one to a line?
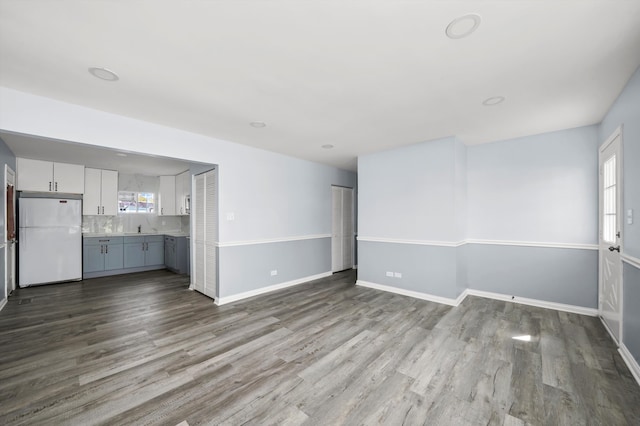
{"x":361,"y":75}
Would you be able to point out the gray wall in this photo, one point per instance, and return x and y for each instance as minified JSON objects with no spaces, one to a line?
{"x":272,"y":196}
{"x":557,"y":275}
{"x":626,"y":111}
{"x":6,"y":158}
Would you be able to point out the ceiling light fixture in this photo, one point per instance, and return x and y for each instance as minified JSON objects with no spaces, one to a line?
{"x":327,"y":146}
{"x":463,"y":26}
{"x":104,"y":74}
{"x":258,"y":124}
{"x":495,"y":100}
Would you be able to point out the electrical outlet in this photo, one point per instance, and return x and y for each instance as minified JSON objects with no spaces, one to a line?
{"x":390,"y":274}
{"x":397,"y":274}
{"x":274,"y":272}
{"x":231,"y":216}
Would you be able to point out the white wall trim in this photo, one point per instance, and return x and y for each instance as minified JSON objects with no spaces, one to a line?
{"x":235,"y":297}
{"x":414,"y":294}
{"x":489,"y":242}
{"x":633,"y":261}
{"x":630,"y":361}
{"x":3,"y":303}
{"x":415,"y":242}
{"x":593,"y":312}
{"x":272,"y":240}
{"x":535,"y":244}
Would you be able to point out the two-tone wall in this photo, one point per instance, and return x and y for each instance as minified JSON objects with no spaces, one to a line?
{"x":516,"y":218}
{"x":626,"y":112}
{"x":532,"y":217}
{"x":281,"y":206}
{"x":411,"y":219}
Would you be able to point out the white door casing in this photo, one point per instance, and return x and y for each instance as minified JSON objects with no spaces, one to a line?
{"x":610,"y":234}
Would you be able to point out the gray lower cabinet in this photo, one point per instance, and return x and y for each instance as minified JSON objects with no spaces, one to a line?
{"x":176,"y":250}
{"x":101,"y":254}
{"x":143,"y":251}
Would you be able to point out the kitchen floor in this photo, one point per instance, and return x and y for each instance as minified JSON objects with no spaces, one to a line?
{"x":143,"y":349}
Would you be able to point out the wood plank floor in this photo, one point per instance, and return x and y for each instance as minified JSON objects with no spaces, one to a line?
{"x":143,"y":349}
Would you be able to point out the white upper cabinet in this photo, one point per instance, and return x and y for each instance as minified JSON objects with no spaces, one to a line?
{"x":167,"y":196}
{"x":183,"y":193}
{"x":101,"y":192}
{"x":46,"y":176}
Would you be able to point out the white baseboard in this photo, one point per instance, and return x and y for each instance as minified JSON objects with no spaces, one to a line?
{"x":3,"y":303}
{"x":414,"y":294}
{"x":235,"y":297}
{"x":630,"y":361}
{"x":471,"y":292}
{"x":534,"y":302}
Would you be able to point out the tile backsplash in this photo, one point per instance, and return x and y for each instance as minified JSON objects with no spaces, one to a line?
{"x":130,"y":223}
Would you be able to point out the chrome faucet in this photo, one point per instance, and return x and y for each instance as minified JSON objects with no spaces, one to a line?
{"x":139,"y":229}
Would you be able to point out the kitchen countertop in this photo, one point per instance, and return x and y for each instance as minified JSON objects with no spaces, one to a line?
{"x":133,"y":234}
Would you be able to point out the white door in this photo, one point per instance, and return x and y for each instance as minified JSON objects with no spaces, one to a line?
{"x":342,"y":228}
{"x":204,"y":274}
{"x":610,"y":244}
{"x":10,"y":230}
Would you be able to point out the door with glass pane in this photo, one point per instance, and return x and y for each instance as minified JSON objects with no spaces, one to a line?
{"x":610,"y":244}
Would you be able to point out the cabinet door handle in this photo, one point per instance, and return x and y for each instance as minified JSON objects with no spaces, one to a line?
{"x":102,"y":209}
{"x":98,"y":209}
{"x":101,"y":249}
{"x":161,"y":210}
{"x":49,"y":186}
{"x":56,"y":186}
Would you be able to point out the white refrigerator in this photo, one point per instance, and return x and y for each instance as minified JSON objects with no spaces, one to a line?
{"x":49,"y":240}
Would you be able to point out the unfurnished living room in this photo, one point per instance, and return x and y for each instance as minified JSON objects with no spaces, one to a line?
{"x":320,"y":212}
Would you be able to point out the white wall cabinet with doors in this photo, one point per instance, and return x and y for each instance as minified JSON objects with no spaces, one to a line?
{"x":101,"y":192}
{"x":167,"y":196}
{"x":47,"y":176}
{"x":205,"y":224}
{"x":183,"y":193}
{"x":342,"y":229}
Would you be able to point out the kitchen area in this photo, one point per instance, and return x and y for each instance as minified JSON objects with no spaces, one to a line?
{"x":78,"y":222}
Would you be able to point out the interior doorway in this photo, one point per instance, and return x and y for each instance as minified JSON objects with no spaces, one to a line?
{"x":9,"y":231}
{"x":342,"y":244}
{"x":610,"y":235}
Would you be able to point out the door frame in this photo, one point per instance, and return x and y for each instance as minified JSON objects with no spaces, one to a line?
{"x":617,"y":134}
{"x":9,"y":287}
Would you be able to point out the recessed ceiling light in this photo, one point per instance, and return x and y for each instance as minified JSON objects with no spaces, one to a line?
{"x":258,"y":124}
{"x":121,"y":154}
{"x":495,"y":100}
{"x":104,"y":74}
{"x":327,"y":146}
{"x":463,"y":26}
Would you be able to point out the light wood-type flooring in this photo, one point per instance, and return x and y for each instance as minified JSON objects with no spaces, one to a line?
{"x":143,"y":349}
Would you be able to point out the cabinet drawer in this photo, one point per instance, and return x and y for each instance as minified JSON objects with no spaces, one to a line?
{"x":154,"y":238}
{"x":136,"y":239}
{"x":169,"y":239}
{"x":96,"y":241}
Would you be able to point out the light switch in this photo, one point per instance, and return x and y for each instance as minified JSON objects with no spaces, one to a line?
{"x":231,"y":216}
{"x":397,"y":274}
{"x":390,"y":274}
{"x":630,"y":217}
